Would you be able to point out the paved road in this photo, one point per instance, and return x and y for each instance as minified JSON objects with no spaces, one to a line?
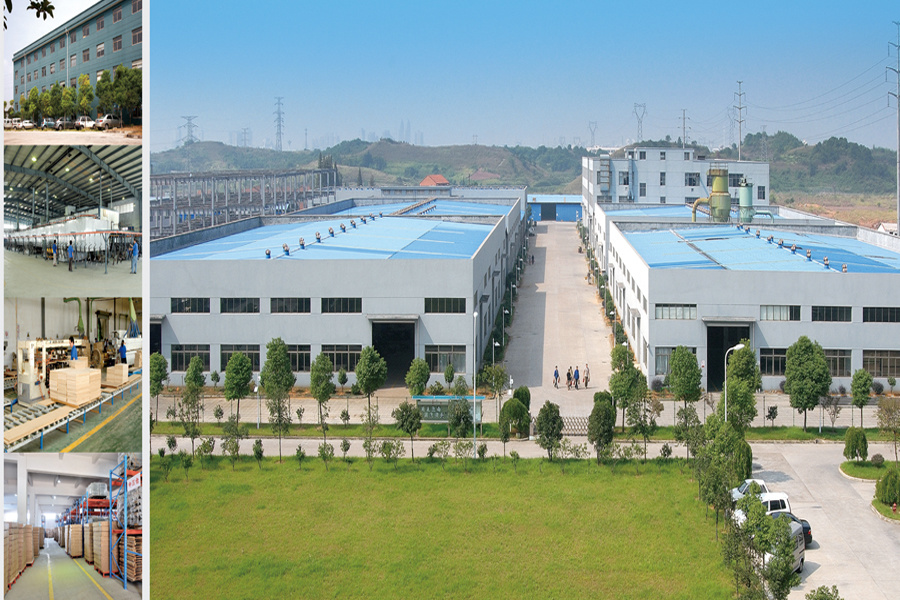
{"x":12,"y":137}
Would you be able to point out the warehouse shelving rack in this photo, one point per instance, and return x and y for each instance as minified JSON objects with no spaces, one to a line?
{"x":120,"y":479}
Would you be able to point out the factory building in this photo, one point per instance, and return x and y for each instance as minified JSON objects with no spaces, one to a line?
{"x":709,"y":271}
{"x":396,"y":269}
{"x":104,"y":36}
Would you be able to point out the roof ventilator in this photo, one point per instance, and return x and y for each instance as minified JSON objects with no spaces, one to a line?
{"x":331,"y":231}
{"x":343,"y":228}
{"x":318,"y":237}
{"x":302,"y":244}
{"x":757,"y":233}
{"x":808,"y":254}
{"x":769,"y":239}
{"x":825,"y":262}
{"x":352,"y":223}
{"x":793,"y":248}
{"x":844,"y":268}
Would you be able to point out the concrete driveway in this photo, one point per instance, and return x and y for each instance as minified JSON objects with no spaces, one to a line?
{"x":70,"y":137}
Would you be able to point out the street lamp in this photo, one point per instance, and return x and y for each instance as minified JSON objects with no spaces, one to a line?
{"x":738,"y":347}
{"x":505,"y":323}
{"x":496,"y":344}
{"x":258,"y":405}
{"x":474,"y":384}
{"x":512,"y":287}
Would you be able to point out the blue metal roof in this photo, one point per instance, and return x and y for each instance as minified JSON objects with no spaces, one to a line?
{"x":383,"y":238}
{"x":728,"y":247}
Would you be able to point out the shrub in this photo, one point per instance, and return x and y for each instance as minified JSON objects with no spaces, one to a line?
{"x":878,"y":388}
{"x":656,"y":385}
{"x":482,"y":451}
{"x":517,"y":415}
{"x":877,"y":460}
{"x":842,"y":390}
{"x":523,"y":395}
{"x":436,"y":389}
{"x":781,"y":385}
{"x":355,"y":390}
{"x":856,"y":446}
{"x":887,"y":490}
{"x":743,"y":460}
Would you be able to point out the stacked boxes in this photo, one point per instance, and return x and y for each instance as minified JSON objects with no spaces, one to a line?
{"x":117,"y":375}
{"x":74,"y":387}
{"x":134,"y":566}
{"x":89,"y":543}
{"x":100,"y":535}
{"x":75,"y":547}
{"x":38,"y":537}
{"x":28,"y":543}
{"x":14,"y":551}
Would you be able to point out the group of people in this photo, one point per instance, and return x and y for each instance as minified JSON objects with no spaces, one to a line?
{"x":573,"y":378}
{"x":73,"y":351}
{"x":135,"y":252}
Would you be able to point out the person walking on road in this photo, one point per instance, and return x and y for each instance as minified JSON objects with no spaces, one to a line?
{"x":55,"y":254}
{"x":71,"y":254}
{"x":576,"y":377}
{"x":135,"y":251}
{"x":569,"y":379}
{"x":123,"y":353}
{"x":556,"y":376}
{"x":587,"y":375}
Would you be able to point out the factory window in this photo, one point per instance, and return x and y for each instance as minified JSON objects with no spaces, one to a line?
{"x":182,"y":354}
{"x":343,"y":356}
{"x":299,"y":355}
{"x":642,"y":155}
{"x":62,"y":65}
{"x":676,"y":311}
{"x":838,"y":362}
{"x":72,"y":35}
{"x":72,"y":83}
{"x":662,"y":199}
{"x":43,"y":71}
{"x":136,"y":36}
{"x":52,"y":48}
{"x":136,"y":5}
{"x":599,"y":177}
{"x":72,"y":61}
{"x":662,"y":156}
{"x":623,"y":199}
{"x":663,"y":355}
{"x":190,"y":305}
{"x":438,"y":357}
{"x":86,"y":55}
{"x":341,"y":305}
{"x":776,"y":312}
{"x":29,"y":77}
{"x":882,"y":363}
{"x":687,"y":156}
{"x":881,"y":314}
{"x":251,"y":351}
{"x":239,"y":305}
{"x":760,"y":192}
{"x":662,"y":178}
{"x":101,"y":50}
{"x":734,"y":179}
{"x":117,"y":43}
{"x":642,"y":190}
{"x":117,"y":14}
{"x":100,"y":23}
{"x":52,"y":68}
{"x":44,"y":52}
{"x":290,"y":305}
{"x":692,"y":179}
{"x":137,"y":64}
{"x":445,"y":305}
{"x":62,"y":43}
{"x":85,"y":31}
{"x":842,"y":314}
{"x":28,"y":59}
{"x":623,"y":178}
{"x":772,"y":361}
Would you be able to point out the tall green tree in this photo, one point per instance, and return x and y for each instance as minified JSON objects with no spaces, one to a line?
{"x":459,"y":418}
{"x":106,"y":98}
{"x":238,"y":374}
{"x":806,"y":375}
{"x":371,"y":373}
{"x":779,"y":570}
{"x":449,"y":373}
{"x":409,"y":420}
{"x":741,"y":404}
{"x":496,"y":378}
{"x":42,"y":9}
{"x":127,"y":86}
{"x":627,"y":386}
{"x":859,"y":388}
{"x":159,"y":372}
{"x":189,"y":408}
{"x":642,"y":414}
{"x":277,"y":379}
{"x":45,"y":105}
{"x":34,"y":99}
{"x":85,"y":94}
{"x":889,"y":420}
{"x":742,"y":364}
{"x":417,"y":377}
{"x":56,"y":100}
{"x":549,"y":426}
{"x":684,"y":375}
{"x":321,"y":383}
{"x":67,"y":102}
{"x":600,"y":426}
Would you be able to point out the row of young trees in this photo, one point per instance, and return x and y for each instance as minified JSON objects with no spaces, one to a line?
{"x":121,"y":94}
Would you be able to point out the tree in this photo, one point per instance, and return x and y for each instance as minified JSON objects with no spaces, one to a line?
{"x":741,"y":404}
{"x":823,"y":593}
{"x":600,"y":426}
{"x":409,"y":420}
{"x":742,"y":364}
{"x":231,"y":447}
{"x":642,"y":414}
{"x":300,"y":454}
{"x":166,"y":465}
{"x":856,"y":446}
{"x":127,"y":89}
{"x":159,"y":371}
{"x":207,"y":446}
{"x":496,"y":378}
{"x":321,"y":373}
{"x":684,"y":375}
{"x":370,"y":422}
{"x":549,"y":426}
{"x":85,"y":94}
{"x":687,"y":424}
{"x":888,"y":415}
{"x":34,"y":98}
{"x":171,"y":443}
{"x":277,"y":379}
{"x":892,"y":381}
{"x":779,"y":570}
{"x":258,"y":453}
{"x":391,"y":451}
{"x":345,"y":417}
{"x":504,"y":427}
{"x":238,"y":374}
{"x":887,"y":489}
{"x":342,"y":378}
{"x":56,"y":100}
{"x":806,"y":375}
{"x":67,"y":102}
{"x":627,"y":384}
{"x":772,"y":414}
{"x":41,"y":8}
{"x":459,"y":418}
{"x":191,"y":398}
{"x":859,"y":388}
{"x":371,"y":372}
{"x":187,"y":461}
{"x":516,"y":415}
{"x":106,"y":98}
{"x":214,"y":377}
{"x":359,"y":180}
{"x":832,"y":406}
{"x":449,"y":373}
{"x":45,"y":105}
{"x":417,"y":377}
{"x":345,"y":447}
{"x":460,"y":386}
{"x":326,"y":453}
{"x":218,"y":413}
{"x":442,"y":450}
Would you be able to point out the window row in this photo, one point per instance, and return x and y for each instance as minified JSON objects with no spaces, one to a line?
{"x":342,"y":355}
{"x":676,"y":311}
{"x":663,"y":356}
{"x":277,"y":305}
{"x":438,"y":357}
{"x":445,"y":305}
{"x":880,"y":363}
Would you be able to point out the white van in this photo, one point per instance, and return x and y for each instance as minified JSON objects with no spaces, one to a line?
{"x":799,"y":547}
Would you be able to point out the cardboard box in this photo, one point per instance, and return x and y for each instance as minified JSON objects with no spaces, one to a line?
{"x":117,"y":375}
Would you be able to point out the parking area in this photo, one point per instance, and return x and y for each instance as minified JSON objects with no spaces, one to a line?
{"x":36,"y":137}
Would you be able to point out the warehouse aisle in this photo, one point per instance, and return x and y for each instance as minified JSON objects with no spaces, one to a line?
{"x":71,"y":579}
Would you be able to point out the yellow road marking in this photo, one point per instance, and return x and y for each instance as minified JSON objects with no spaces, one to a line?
{"x":77,"y":442}
{"x":102,"y":591}
{"x":50,"y":576}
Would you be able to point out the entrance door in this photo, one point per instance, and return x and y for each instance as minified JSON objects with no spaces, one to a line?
{"x":396,"y":343}
{"x":720,"y":338}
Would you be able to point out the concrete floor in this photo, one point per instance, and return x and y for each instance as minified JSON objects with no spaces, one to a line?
{"x":72,"y":579}
{"x":34,"y":277}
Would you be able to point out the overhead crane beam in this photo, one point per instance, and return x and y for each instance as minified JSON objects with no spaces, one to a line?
{"x":50,"y":177}
{"x":102,"y":164}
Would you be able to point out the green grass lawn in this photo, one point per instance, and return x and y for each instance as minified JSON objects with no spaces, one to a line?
{"x":885,"y":510}
{"x":865,"y":469}
{"x":418,"y":531}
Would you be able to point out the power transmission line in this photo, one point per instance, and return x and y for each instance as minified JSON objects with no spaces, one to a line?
{"x":740,"y":116}
{"x":189,"y":126}
{"x":897,"y":99}
{"x":639,"y":111}
{"x":592,"y":125}
{"x":279,"y":122}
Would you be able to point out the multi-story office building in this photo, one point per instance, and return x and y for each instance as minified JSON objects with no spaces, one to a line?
{"x":104,"y":36}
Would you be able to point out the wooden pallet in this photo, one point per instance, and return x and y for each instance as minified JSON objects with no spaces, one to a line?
{"x":14,"y":434}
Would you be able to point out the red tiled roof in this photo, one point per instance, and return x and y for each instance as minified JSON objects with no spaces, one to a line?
{"x":434,"y":180}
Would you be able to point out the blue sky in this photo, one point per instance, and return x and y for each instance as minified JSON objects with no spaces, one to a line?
{"x":520,"y":72}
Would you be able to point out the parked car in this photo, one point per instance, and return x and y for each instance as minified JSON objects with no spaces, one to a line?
{"x":741,"y":491}
{"x":771,"y":501}
{"x":8,"y":124}
{"x":807,"y":530}
{"x":26,"y":124}
{"x":65,"y":123}
{"x":48,"y":123}
{"x":14,"y":123}
{"x":84,"y":123}
{"x":107,"y":122}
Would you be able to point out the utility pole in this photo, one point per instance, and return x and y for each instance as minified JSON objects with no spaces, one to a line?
{"x":683,"y":127}
{"x":740,"y":116}
{"x":765,"y":145}
{"x":189,"y":137}
{"x":897,"y":98}
{"x":592,"y":125}
{"x":279,"y":122}
{"x":639,"y":111}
